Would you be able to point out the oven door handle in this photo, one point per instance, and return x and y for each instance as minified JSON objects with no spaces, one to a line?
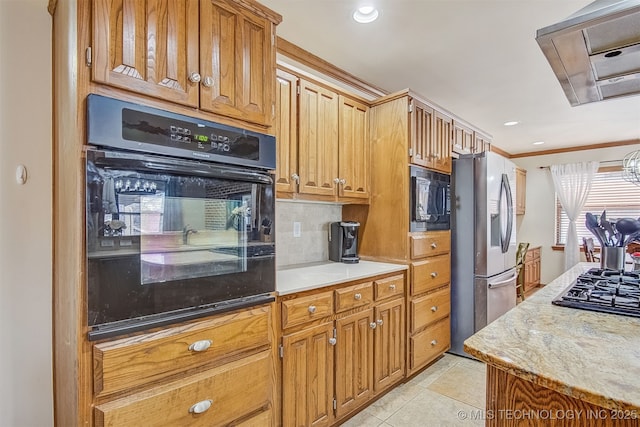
{"x":151,"y":163}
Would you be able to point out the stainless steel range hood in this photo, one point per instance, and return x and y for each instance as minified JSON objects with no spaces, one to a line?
{"x":595,"y":53}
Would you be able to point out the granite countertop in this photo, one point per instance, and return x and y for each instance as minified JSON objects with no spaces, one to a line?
{"x":312,"y":276}
{"x":594,"y":357}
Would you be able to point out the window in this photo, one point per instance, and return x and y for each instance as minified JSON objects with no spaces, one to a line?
{"x":609,"y":191}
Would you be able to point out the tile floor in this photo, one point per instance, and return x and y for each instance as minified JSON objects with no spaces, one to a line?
{"x":451,"y":392}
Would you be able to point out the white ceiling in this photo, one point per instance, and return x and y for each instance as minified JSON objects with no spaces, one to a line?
{"x":476,"y":58}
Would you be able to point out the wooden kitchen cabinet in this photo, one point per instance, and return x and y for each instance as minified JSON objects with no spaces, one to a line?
{"x":323,"y":139}
{"x":354,"y":361}
{"x":216,"y":55}
{"x":341,"y":359}
{"x":307,"y":376}
{"x":160,"y":378}
{"x":481,"y":142}
{"x":430,"y":137}
{"x":463,"y":138}
{"x":521,"y":191}
{"x":531,"y":268}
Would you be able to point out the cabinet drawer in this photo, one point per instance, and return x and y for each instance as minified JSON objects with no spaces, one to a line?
{"x":263,"y":419}
{"x":429,"y":244}
{"x":389,"y":287}
{"x":172,"y":404}
{"x":429,"y":308}
{"x":430,"y":274}
{"x":353,"y":296}
{"x":428,"y":344}
{"x":134,"y":361}
{"x":305,"y":309}
{"x":532,"y":254}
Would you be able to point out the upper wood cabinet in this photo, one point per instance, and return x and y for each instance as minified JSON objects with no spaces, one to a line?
{"x":216,"y":55}
{"x":286,"y":131}
{"x":481,"y":142}
{"x":521,"y":191}
{"x":463,"y":138}
{"x":318,"y":139}
{"x":323,"y":142}
{"x":442,"y":142}
{"x":430,"y":137}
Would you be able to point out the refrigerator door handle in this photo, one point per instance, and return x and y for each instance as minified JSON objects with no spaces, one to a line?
{"x":503,"y":282}
{"x":505,"y":191}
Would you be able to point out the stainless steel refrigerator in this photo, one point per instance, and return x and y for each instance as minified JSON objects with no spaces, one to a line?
{"x":483,"y":244}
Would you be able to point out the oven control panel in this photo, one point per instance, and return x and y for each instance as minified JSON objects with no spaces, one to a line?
{"x":129,"y":126}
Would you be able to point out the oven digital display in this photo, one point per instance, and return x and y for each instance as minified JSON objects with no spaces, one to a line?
{"x":148,"y":128}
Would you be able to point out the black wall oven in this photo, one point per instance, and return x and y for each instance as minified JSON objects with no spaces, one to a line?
{"x":430,"y":200}
{"x":179,"y":217}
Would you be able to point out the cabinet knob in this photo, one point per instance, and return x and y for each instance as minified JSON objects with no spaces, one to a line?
{"x":333,"y":341}
{"x":201,"y":345}
{"x":434,"y":274}
{"x":434,"y":308}
{"x":380,"y":322}
{"x":312,"y":309}
{"x":207,"y":82}
{"x":434,"y":342}
{"x":373,"y":325}
{"x":295,"y":177}
{"x":194,"y":78}
{"x":343,"y":181}
{"x":201,"y":407}
{"x":433,"y":245}
{"x":392,"y":287}
{"x":357,"y":297}
{"x":336,"y":180}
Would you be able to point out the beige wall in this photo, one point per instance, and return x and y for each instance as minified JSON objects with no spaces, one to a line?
{"x":537,"y":226}
{"x":26,"y":398}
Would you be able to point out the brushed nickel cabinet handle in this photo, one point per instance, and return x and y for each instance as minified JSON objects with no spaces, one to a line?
{"x":434,"y":342}
{"x":201,"y":406}
{"x":433,"y":245}
{"x":194,"y":78}
{"x":373,"y":325}
{"x":434,"y":308}
{"x":312,"y":309}
{"x":201,"y":345}
{"x":207,"y":82}
{"x":295,"y":177}
{"x":434,"y":274}
{"x":380,"y":322}
{"x":333,"y":341}
{"x":357,"y":297}
{"x":392,"y":287}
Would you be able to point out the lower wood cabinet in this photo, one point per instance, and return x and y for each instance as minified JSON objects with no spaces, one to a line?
{"x":307,"y":376}
{"x":335,"y":364}
{"x":531,"y":268}
{"x":217,"y":371}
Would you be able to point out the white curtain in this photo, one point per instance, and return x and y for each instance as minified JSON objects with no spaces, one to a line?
{"x":572,"y":183}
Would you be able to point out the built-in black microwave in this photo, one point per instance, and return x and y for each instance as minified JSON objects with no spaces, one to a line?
{"x":430,"y":200}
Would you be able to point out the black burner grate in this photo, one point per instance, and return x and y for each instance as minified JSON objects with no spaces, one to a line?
{"x":608,"y":291}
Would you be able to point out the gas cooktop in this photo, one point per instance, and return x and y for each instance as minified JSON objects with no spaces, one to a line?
{"x":608,"y":291}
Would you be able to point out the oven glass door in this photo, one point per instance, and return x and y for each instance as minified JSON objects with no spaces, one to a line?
{"x":166,"y":235}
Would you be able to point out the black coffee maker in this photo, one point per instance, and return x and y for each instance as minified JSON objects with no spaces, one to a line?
{"x":343,"y":242}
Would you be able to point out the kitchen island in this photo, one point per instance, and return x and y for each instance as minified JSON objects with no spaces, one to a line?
{"x":551,"y":365}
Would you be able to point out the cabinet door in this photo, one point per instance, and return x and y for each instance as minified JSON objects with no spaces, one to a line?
{"x":462,"y":138}
{"x":237,"y":62}
{"x":353,"y":148}
{"x":521,"y":191}
{"x":307,"y":377}
{"x":317,"y":139}
{"x":442,"y":142}
{"x":481,"y":143}
{"x":389,"y":342}
{"x":286,"y":131}
{"x":421,"y":134}
{"x":354,"y":361}
{"x":149,"y":47}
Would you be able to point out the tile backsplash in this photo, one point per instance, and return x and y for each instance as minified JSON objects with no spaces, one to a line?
{"x":314,"y":219}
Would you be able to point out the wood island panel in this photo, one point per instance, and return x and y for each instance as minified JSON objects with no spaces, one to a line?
{"x":513,"y":401}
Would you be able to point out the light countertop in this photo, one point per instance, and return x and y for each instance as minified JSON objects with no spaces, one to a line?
{"x":591,"y":356}
{"x":312,"y":276}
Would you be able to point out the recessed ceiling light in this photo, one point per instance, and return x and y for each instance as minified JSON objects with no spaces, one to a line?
{"x":538,"y":143}
{"x":511,"y":123}
{"x":365,"y":14}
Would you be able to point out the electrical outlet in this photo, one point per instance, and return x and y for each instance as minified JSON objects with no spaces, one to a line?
{"x":297,"y":229}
